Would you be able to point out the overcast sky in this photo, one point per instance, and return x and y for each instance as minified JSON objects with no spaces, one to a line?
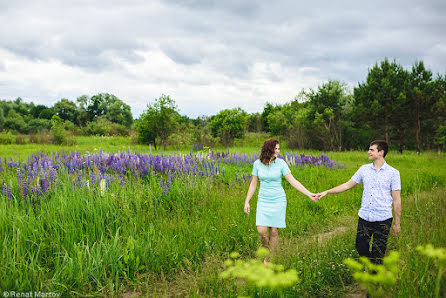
{"x":207,"y":55}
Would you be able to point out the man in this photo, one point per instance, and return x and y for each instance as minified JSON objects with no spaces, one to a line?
{"x":382,"y":187}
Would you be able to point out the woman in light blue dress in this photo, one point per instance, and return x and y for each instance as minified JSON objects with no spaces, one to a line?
{"x":271,"y":203}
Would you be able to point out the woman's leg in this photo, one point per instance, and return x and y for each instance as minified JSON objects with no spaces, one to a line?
{"x":263,"y":233}
{"x":273,"y":239}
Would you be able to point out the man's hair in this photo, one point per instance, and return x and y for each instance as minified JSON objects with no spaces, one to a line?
{"x":381,"y":145}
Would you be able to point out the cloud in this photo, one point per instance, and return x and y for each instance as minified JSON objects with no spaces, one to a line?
{"x":208,"y":55}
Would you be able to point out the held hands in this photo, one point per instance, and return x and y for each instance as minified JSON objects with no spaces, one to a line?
{"x":320,"y":195}
{"x":313,"y":197}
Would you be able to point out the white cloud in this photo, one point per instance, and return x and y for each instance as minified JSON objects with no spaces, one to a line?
{"x":208,"y":55}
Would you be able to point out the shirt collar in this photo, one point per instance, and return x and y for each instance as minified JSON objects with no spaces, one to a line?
{"x":384,"y":166}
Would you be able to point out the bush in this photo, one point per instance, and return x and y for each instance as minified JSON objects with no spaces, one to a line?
{"x":58,"y":130}
{"x":104,"y":127}
{"x":7,"y":138}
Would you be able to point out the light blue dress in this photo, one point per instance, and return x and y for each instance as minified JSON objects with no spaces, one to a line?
{"x":271,"y":203}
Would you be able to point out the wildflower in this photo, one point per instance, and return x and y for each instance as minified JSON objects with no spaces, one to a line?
{"x":25,"y":189}
{"x":102,"y":187}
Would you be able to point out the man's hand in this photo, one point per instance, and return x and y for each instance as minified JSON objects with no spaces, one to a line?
{"x":247,"y":208}
{"x":313,"y":197}
{"x":396,"y":229}
{"x":320,"y":195}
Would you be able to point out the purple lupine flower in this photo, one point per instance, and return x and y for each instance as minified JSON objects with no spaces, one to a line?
{"x":25,"y":189}
{"x":9,"y":192}
{"x":164,"y":189}
{"x":5,"y":189}
{"x":169,"y":180}
{"x":235,"y":176}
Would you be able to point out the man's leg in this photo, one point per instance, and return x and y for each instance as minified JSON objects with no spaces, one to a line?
{"x":363,"y":235}
{"x":379,"y":244}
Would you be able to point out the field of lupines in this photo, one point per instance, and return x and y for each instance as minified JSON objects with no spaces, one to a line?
{"x":104,"y":222}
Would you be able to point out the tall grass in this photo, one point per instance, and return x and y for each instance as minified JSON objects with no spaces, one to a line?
{"x":134,"y":237}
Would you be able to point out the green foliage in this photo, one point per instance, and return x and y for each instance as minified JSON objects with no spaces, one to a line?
{"x":36,"y":125}
{"x":66,"y":110}
{"x":7,"y":138}
{"x":228,"y":124}
{"x":15,"y":122}
{"x":130,"y":261}
{"x":379,"y":280}
{"x":440,"y":136}
{"x":255,"y":273}
{"x":158,"y":122}
{"x":58,"y":130}
{"x":439,"y":257}
{"x":104,"y":127}
{"x":106,"y":105}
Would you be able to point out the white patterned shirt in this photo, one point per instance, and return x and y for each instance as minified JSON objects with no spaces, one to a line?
{"x":377,"y":199}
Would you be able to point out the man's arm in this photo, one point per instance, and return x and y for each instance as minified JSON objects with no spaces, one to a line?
{"x":396,"y":196}
{"x":340,"y":188}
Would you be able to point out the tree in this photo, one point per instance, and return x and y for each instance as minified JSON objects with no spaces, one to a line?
{"x":268,"y":109}
{"x":229,"y":124}
{"x":119,"y":112}
{"x":36,"y":125}
{"x":158,"y":122}
{"x":254,"y":122}
{"x":36,"y":110}
{"x":381,"y":101}
{"x":66,"y":110}
{"x":420,"y":97}
{"x":108,"y":105}
{"x":83,"y":116}
{"x":328,"y":107}
{"x":14,"y":121}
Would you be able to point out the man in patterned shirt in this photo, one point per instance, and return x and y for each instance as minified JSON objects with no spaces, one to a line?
{"x":382,"y":187}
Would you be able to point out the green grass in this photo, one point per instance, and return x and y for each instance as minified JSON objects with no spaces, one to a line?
{"x":77,"y":243}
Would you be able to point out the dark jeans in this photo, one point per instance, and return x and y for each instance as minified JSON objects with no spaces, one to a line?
{"x":379,"y":230}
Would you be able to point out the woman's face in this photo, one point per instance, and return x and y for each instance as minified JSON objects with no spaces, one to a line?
{"x":276,"y":150}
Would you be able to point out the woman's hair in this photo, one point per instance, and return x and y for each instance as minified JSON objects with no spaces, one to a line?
{"x":268,"y":150}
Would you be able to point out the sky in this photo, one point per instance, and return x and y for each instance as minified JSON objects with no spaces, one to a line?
{"x":207,"y":55}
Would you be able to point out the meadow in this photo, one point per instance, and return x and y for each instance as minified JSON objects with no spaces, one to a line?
{"x":107,"y":217}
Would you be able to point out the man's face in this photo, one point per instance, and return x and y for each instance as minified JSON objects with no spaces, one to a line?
{"x":277,"y":150}
{"x":374,"y":154}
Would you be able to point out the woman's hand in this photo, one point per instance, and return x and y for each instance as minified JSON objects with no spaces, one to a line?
{"x":313,"y":197}
{"x":247,"y":208}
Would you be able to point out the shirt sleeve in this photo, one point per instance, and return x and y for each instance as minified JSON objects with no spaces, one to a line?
{"x":396,"y":181}
{"x":285,"y":169}
{"x":255,"y":170}
{"x":357,"y":177}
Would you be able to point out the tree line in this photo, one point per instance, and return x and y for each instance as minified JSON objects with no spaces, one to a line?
{"x":101,"y":114}
{"x":405,"y":107}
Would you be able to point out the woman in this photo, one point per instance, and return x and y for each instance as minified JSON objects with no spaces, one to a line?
{"x":271,"y":203}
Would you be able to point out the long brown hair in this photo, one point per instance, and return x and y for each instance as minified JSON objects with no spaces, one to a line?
{"x":268,"y":150}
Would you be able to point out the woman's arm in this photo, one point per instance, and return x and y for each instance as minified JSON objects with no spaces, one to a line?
{"x":297,"y":185}
{"x":251,"y":190}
